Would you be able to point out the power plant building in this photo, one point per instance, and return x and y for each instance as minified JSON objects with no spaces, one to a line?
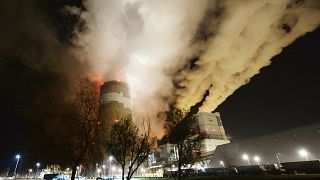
{"x":208,"y":123}
{"x":114,"y":103}
{"x":211,"y":125}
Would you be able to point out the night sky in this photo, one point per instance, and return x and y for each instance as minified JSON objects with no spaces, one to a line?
{"x":283,"y":96}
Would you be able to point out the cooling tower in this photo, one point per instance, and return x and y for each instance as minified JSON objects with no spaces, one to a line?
{"x":115,"y":102}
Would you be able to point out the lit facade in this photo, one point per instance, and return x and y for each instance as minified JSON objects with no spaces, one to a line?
{"x":114,"y":102}
{"x":211,"y":124}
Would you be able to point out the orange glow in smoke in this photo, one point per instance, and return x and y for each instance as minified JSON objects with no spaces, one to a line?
{"x":99,"y":80}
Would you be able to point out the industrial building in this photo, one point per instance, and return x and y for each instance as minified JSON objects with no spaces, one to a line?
{"x":210,"y":124}
{"x":114,"y":102}
{"x":298,"y":144}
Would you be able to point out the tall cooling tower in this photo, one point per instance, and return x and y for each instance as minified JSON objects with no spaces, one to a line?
{"x":115,"y":102}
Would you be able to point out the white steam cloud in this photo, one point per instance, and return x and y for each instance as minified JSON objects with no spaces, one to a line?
{"x":249,"y":34}
{"x":149,"y":44}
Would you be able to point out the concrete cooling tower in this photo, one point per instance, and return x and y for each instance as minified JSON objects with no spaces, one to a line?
{"x":115,"y":102}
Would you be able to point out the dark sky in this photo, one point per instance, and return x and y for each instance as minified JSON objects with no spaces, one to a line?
{"x":33,"y":69}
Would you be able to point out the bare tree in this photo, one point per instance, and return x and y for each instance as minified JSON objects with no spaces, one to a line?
{"x":76,"y":128}
{"x":129,"y":147}
{"x":188,"y":141}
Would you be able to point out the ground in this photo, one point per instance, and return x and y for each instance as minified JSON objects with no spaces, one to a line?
{"x":284,"y":177}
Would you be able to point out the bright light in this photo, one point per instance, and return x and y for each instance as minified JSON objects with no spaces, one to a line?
{"x":38,"y":164}
{"x":103,"y":166}
{"x":142,"y":169}
{"x":18,"y":156}
{"x":77,"y":167}
{"x":119,"y":170}
{"x":304,"y":153}
{"x":256,"y":158}
{"x":30,"y":170}
{"x":110,"y":158}
{"x":222,"y":163}
{"x":113,"y":168}
{"x":245,"y":157}
{"x":68,"y":169}
{"x":99,"y":170}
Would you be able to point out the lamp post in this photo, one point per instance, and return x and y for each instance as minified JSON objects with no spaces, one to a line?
{"x":15,"y":169}
{"x":37,"y":165}
{"x":104,"y":170}
{"x":110,"y":161}
{"x":77,"y":171}
{"x":257,"y":159}
{"x":30,"y":171}
{"x":246,"y":157}
{"x":222,"y":164}
{"x":112,"y":170}
{"x":99,"y":171}
{"x":304,"y":153}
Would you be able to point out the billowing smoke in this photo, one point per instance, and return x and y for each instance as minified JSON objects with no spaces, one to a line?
{"x":248,"y":34}
{"x":174,"y":51}
{"x":141,"y":42}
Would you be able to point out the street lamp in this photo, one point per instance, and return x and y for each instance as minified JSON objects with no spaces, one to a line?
{"x":222,"y":164}
{"x":257,"y":159}
{"x":37,"y":165}
{"x":77,"y":171}
{"x":15,"y":169}
{"x":112,"y":170}
{"x":104,"y":170}
{"x":30,"y":171}
{"x":110,"y":161}
{"x":246,"y":157}
{"x":99,"y":171}
{"x":304,"y":153}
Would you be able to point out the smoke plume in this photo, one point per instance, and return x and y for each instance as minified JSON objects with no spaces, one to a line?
{"x":141,"y":42}
{"x":174,"y":51}
{"x":248,"y":35}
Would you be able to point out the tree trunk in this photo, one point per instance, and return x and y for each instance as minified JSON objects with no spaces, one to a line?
{"x":122,"y":172}
{"x":129,"y":174}
{"x":73,"y":174}
{"x":179,"y":170}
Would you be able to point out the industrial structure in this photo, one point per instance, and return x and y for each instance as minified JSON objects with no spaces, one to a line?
{"x":209,"y":123}
{"x":114,"y":103}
